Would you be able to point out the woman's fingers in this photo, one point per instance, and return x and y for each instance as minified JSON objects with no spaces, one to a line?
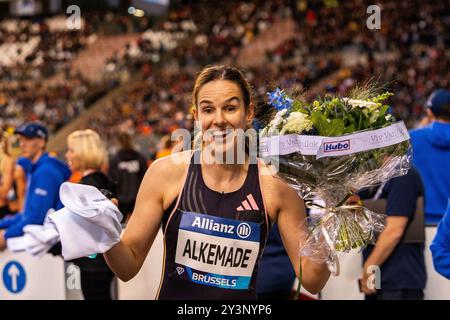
{"x":354,"y":199}
{"x":115,"y":201}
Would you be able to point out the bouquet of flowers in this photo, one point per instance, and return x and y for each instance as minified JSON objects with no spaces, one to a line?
{"x":330,"y":149}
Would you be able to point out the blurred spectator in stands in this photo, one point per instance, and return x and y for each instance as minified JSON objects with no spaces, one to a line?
{"x":21,"y":171}
{"x":127,"y":169}
{"x":440,"y":247}
{"x":7,"y":164}
{"x":165,"y":147}
{"x":87,"y":153}
{"x":46,"y":176}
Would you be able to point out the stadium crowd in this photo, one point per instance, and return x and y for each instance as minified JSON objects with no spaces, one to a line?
{"x":409,"y":53}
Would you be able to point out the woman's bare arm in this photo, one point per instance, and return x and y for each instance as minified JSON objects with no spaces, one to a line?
{"x":127,"y":257}
{"x":289,"y":213}
{"x":293,"y":230}
{"x":7,"y":175}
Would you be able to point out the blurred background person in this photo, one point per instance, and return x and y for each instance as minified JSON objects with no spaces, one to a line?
{"x":440,"y":247}
{"x":87,"y":154}
{"x":431,"y":155}
{"x":399,"y":249}
{"x":7,"y":165}
{"x":165,"y":147}
{"x":45,"y":177}
{"x":126,"y":170}
{"x":17,"y":194}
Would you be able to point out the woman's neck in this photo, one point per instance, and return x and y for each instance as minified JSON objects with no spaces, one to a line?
{"x":223,"y":171}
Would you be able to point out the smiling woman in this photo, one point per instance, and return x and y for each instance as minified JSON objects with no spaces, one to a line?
{"x":223,"y":110}
{"x":215,"y":216}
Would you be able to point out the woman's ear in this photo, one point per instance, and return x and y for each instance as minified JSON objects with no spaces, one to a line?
{"x":430,"y":115}
{"x":194,"y":112}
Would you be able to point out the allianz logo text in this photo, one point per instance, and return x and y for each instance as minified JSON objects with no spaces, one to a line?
{"x":336,"y":146}
{"x":243,"y":230}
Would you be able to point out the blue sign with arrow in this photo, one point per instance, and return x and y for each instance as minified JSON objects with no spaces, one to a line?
{"x":14,"y":277}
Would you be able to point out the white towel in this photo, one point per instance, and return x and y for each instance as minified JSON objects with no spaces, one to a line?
{"x":39,"y":249}
{"x":46,"y":233}
{"x":89,"y":223}
{"x":19,"y":244}
{"x":37,"y":240}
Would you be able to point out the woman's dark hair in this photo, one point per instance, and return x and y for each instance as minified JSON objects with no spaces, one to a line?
{"x":125,"y":141}
{"x":213,"y":73}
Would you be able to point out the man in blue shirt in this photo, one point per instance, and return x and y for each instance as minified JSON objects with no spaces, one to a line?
{"x":440,"y":247}
{"x":44,"y":179}
{"x":431,"y":155}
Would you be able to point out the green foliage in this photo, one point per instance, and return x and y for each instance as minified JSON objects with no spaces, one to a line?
{"x":333,"y":177}
{"x":334,"y":116}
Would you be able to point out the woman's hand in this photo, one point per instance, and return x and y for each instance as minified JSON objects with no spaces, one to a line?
{"x":115,"y":201}
{"x":354,"y":199}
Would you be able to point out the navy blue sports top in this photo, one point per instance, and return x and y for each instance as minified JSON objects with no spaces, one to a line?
{"x":213,"y":241}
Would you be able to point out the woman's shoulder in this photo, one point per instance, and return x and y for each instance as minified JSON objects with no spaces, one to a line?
{"x":171,"y":166}
{"x":165,"y":176}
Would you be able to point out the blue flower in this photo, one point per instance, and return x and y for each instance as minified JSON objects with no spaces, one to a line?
{"x":257,"y":125}
{"x":280,"y":100}
{"x":389,"y":110}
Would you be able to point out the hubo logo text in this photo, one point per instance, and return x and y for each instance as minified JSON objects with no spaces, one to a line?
{"x":336,"y":146}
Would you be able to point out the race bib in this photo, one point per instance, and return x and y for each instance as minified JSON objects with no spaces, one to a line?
{"x":217,"y":251}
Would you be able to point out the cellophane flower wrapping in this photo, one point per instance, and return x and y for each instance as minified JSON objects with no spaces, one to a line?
{"x":328,"y":150}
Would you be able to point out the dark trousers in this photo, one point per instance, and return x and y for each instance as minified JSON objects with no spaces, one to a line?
{"x":398,"y":294}
{"x":275,"y":295}
{"x":96,"y":285}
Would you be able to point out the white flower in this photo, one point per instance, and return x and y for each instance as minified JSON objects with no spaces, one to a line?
{"x":278,"y":117}
{"x":275,"y":124}
{"x":264,"y":132}
{"x":274,"y":130}
{"x":297,"y":122}
{"x":360,"y":103}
